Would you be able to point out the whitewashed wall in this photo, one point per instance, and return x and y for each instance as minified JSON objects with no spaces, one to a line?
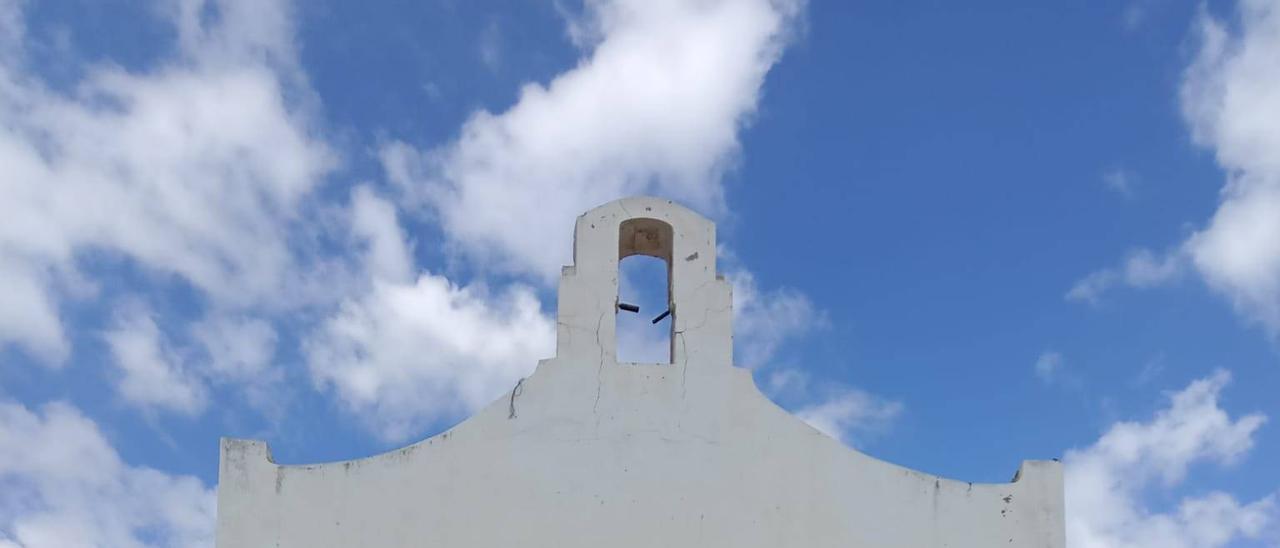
{"x":587,"y":452}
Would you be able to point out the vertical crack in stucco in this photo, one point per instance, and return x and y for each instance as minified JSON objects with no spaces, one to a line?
{"x":515,"y":392}
{"x":599,"y":368}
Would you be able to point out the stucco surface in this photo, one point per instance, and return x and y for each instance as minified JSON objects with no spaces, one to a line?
{"x":590,"y":452}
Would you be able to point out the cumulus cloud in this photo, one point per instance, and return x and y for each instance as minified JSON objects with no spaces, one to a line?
{"x":849,"y":414}
{"x":150,"y":375}
{"x":654,"y":107}
{"x":1142,"y":268}
{"x":156,"y":369}
{"x":238,"y":348}
{"x":1105,"y":482}
{"x":1230,"y":98}
{"x":416,"y":348}
{"x":405,"y":355}
{"x":201,"y":168}
{"x":763,"y":320}
{"x":62,"y":485}
{"x":843,"y":412}
{"x":194,"y":167}
{"x":387,"y":252}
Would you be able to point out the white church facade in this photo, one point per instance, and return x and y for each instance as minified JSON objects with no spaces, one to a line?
{"x":590,"y":452}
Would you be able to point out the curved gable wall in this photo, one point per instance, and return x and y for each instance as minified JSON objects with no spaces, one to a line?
{"x":587,"y":452}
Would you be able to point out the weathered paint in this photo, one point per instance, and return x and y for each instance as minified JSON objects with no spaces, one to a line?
{"x":587,"y":452}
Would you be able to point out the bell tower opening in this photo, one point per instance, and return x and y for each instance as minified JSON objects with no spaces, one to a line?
{"x":644,"y":318}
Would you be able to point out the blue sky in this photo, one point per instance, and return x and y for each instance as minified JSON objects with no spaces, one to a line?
{"x":960,"y":236}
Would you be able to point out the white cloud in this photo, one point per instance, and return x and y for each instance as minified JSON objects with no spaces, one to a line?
{"x":28,"y":315}
{"x":405,"y":355}
{"x":201,"y":169}
{"x":1230,"y":98}
{"x":1105,"y":482}
{"x":1140,"y":269}
{"x":238,"y":348}
{"x":233,"y":32}
{"x":1048,"y":365}
{"x":62,"y":485}
{"x":763,"y":320}
{"x":410,"y":351}
{"x":387,"y":253}
{"x":654,"y":107}
{"x":1122,"y":181}
{"x":850,"y":415}
{"x":845,"y":413}
{"x":157,"y":369}
{"x":1229,"y":92}
{"x":195,"y":168}
{"x":150,"y":375}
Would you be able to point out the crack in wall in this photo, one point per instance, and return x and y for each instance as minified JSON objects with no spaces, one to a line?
{"x":515,"y":392}
{"x":684,"y":365}
{"x":599,"y":369}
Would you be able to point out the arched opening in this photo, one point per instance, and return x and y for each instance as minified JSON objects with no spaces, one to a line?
{"x":645,"y":310}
